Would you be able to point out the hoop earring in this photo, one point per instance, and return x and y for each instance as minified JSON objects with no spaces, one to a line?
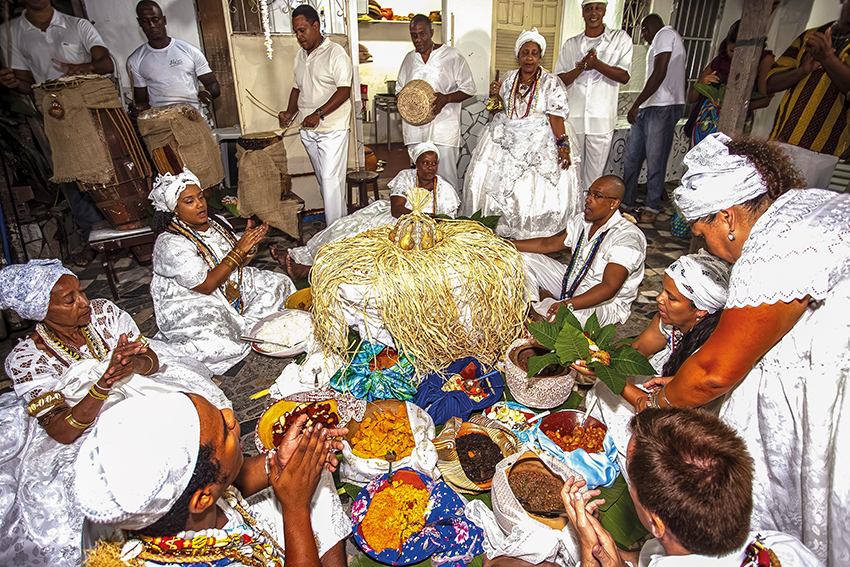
{"x":731,"y":236}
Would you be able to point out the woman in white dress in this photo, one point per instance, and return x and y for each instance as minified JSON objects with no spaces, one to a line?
{"x":205,"y":296}
{"x":84,"y":356}
{"x":523,"y":168}
{"x":781,"y":351}
{"x":444,"y":201}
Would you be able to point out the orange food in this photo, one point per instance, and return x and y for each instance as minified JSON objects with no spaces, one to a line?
{"x":590,"y":439}
{"x":387,"y":358}
{"x":383,"y":432}
{"x":395,"y":513}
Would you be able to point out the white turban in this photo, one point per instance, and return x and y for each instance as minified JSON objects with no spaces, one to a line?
{"x":716,"y":179}
{"x":422,"y":148}
{"x":167,"y":188}
{"x":25,"y":288}
{"x":138,"y":460}
{"x":702,"y":278}
{"x":527,"y":36}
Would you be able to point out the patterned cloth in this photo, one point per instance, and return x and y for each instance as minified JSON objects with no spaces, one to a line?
{"x":396,"y":383}
{"x":442,"y":405}
{"x":813,"y":113}
{"x":25,"y":288}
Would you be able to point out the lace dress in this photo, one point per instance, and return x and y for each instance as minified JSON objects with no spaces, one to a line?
{"x":40,"y":523}
{"x":206,"y":327}
{"x":514,"y":170}
{"x":790,"y":407}
{"x":377,"y":214}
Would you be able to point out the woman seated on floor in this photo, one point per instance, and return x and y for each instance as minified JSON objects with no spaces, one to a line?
{"x":444,"y":201}
{"x":204,"y":294}
{"x":83,"y":357}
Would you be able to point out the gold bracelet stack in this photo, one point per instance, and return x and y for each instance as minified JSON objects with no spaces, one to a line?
{"x":77,"y":424}
{"x":94,"y":393}
{"x":146,"y":355}
{"x":234,"y":259}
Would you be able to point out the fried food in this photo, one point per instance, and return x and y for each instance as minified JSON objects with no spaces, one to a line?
{"x":590,"y":439}
{"x":382,"y":432}
{"x":395,"y":513}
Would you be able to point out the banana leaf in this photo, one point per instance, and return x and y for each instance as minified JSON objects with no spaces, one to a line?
{"x":619,"y":516}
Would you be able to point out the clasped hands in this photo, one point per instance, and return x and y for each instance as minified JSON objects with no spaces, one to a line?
{"x":588,"y":62}
{"x":123,"y":361}
{"x":252,"y":236}
{"x":597,"y":545}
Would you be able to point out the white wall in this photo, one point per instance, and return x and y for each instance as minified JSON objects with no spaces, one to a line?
{"x":469,"y":24}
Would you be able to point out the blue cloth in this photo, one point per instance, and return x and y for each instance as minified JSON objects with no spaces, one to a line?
{"x":448,"y":537}
{"x":650,"y":139}
{"x":679,"y":227}
{"x":598,"y":469}
{"x":392,"y":383}
{"x":442,"y":406}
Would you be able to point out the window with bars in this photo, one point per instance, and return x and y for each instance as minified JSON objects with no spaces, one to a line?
{"x":634,"y":11}
{"x":246,"y":15}
{"x":697,"y":21}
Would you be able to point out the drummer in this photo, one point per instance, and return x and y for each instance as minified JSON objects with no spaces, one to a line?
{"x":444,"y":68}
{"x":166,"y":70}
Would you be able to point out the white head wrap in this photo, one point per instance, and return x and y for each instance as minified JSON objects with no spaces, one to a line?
{"x":420,"y":149}
{"x":702,"y":278}
{"x":586,"y":2}
{"x":716,"y":179}
{"x":527,"y":36}
{"x":25,"y":288}
{"x":167,"y":188}
{"x":138,"y":460}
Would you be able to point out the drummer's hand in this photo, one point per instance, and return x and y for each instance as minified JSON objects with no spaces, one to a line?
{"x":495,"y":86}
{"x":252,"y":236}
{"x":311,"y":121}
{"x":205,"y":97}
{"x":284,"y":117}
{"x":8,"y":78}
{"x":581,"y":367}
{"x":440,"y":101}
{"x":72,"y":69}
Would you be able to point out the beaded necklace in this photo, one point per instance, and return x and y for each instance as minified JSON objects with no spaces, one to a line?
{"x":69,"y":353}
{"x":232,"y":292}
{"x":433,"y":193}
{"x":513,"y":104}
{"x":568,"y":293}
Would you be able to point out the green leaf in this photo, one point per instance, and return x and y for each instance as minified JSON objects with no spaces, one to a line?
{"x":572,"y":345}
{"x":538,"y":363}
{"x":606,"y":334}
{"x":708,"y":91}
{"x":573,"y":402}
{"x":545,"y":332}
{"x":609,"y":376}
{"x":592,"y":327}
{"x":628,"y":341}
{"x":571,"y":319}
{"x":629,"y":361}
{"x":619,"y":516}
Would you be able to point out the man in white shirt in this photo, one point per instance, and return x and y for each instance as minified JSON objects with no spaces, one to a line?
{"x":593,"y":65}
{"x":654,"y":114}
{"x":167,"y":70}
{"x":444,"y":68}
{"x":321,"y":94}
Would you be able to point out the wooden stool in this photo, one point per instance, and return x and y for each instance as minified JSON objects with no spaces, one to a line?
{"x":106,"y":239}
{"x":361,"y":179}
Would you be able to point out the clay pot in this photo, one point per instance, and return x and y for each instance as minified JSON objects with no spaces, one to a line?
{"x":539,"y":392}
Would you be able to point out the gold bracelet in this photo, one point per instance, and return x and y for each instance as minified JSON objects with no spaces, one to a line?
{"x":97,"y":395}
{"x":230,"y":263}
{"x":149,"y":357}
{"x":76,"y":424}
{"x":240,"y":255}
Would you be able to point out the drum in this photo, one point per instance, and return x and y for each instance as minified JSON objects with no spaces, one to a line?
{"x":178,"y":136}
{"x":259,"y":141}
{"x":415,"y":102}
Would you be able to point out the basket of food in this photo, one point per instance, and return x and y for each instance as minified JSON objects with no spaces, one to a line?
{"x":468,"y":452}
{"x":283,"y":334}
{"x":415,"y":102}
{"x":272,"y":425}
{"x":411,"y":518}
{"x":589,"y":449}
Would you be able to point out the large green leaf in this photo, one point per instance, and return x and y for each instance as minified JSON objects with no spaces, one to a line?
{"x":618,"y":514}
{"x":545,"y":332}
{"x":708,"y":91}
{"x":606,"y":334}
{"x":615,"y":380}
{"x":592,"y":327}
{"x":570,"y":319}
{"x":538,"y":363}
{"x":629,"y":361}
{"x":572,"y":345}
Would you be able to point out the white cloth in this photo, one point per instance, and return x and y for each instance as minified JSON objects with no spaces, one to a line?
{"x":328,"y":151}
{"x":514,"y":169}
{"x":446,"y":71}
{"x":530,"y":35}
{"x":593,"y":96}
{"x":672,"y":89}
{"x":376,"y":214}
{"x":206,"y":327}
{"x":716,"y":179}
{"x":594,"y":149}
{"x":815,"y":167}
{"x":67,"y":39}
{"x":170,"y":74}
{"x":40,"y":519}
{"x":789,"y":551}
{"x":167,"y":188}
{"x":790,"y":407}
{"x":317,"y":77}
{"x":423,"y":148}
{"x":624,"y":245}
{"x":702,"y":278}
{"x":26,"y":288}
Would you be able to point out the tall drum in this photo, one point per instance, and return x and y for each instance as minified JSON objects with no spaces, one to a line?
{"x":94,"y":144}
{"x":272,"y":145}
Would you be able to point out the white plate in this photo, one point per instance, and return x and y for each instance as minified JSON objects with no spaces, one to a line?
{"x":298,"y":348}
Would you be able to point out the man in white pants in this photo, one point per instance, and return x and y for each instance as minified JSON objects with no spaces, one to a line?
{"x":444,"y":68}
{"x":322,"y":95}
{"x":593,"y":65}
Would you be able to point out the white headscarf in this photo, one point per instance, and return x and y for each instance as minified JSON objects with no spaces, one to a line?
{"x":167,"y":188}
{"x":422,"y":148}
{"x":527,"y":36}
{"x":138,"y":460}
{"x":25,"y":288}
{"x":702,"y":278}
{"x":716,"y":179}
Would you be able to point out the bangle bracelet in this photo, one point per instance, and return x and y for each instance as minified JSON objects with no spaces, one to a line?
{"x":230,"y":263}
{"x":664,"y":393}
{"x":77,"y":424}
{"x":97,"y":395}
{"x":150,"y":368}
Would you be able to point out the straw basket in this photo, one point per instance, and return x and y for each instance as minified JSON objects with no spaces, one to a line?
{"x":415,"y":102}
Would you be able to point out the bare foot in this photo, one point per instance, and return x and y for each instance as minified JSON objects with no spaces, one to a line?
{"x":85,"y":257}
{"x":294,"y":270}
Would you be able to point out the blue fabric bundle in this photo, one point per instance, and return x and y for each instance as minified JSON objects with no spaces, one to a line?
{"x":598,"y":469}
{"x":391,"y":383}
{"x":442,"y":406}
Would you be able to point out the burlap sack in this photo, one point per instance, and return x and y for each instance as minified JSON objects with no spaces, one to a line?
{"x":79,"y":149}
{"x":259,"y":188}
{"x":195,"y":144}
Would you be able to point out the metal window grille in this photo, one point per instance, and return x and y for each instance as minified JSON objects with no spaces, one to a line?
{"x":245,"y":16}
{"x":634,"y":11}
{"x":697,"y":21}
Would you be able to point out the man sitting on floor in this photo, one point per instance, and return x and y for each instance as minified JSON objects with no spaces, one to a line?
{"x":607,"y":264}
{"x":166,"y":468}
{"x":692,"y":485}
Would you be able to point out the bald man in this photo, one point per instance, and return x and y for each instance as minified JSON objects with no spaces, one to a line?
{"x":607,"y":266}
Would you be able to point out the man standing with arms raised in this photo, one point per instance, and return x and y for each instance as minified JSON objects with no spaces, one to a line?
{"x":444,"y":68}
{"x":593,"y":65}
{"x":321,"y":95}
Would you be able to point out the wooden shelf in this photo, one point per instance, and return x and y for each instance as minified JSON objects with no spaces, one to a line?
{"x":407,"y":22}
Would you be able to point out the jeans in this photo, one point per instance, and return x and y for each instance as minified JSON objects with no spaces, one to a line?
{"x":83,"y":210}
{"x":650,"y":138}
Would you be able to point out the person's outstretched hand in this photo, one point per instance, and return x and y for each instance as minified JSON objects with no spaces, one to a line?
{"x":295,"y":484}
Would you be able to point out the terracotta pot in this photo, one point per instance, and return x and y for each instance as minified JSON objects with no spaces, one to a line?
{"x":539,"y":392}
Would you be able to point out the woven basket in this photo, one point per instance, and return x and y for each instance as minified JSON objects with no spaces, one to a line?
{"x":415,"y":102}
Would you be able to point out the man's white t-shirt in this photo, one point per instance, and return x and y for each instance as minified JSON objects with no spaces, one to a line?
{"x":317,"y":77}
{"x":672,"y":89}
{"x":170,"y":74}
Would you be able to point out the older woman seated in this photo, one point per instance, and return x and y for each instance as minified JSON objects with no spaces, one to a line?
{"x":444,"y":200}
{"x":83,"y":357}
{"x":205,"y":295}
